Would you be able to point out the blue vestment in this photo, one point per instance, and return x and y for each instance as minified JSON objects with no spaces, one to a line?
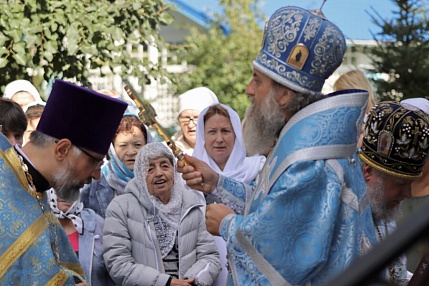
{"x":309,"y":216}
{"x":26,"y":233}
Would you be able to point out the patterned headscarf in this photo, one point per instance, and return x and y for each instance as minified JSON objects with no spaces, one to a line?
{"x":167,"y":216}
{"x":116,"y":173}
{"x":72,"y":213}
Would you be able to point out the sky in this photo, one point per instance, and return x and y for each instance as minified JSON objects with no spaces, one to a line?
{"x":349,"y":15}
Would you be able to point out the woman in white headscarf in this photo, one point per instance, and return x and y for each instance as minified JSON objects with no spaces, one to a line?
{"x":23,"y":92}
{"x":130,"y":137}
{"x":211,"y":145}
{"x":190,"y":105}
{"x":220,"y":144}
{"x":155,"y":233}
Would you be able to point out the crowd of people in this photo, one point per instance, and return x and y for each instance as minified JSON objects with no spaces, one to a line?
{"x":293,"y":194}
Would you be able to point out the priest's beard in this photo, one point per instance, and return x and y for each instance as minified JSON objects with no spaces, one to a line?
{"x":381,"y":210}
{"x":262,"y":125}
{"x":65,"y":185}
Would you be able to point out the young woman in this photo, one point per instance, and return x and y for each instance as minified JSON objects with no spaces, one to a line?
{"x":13,"y":121}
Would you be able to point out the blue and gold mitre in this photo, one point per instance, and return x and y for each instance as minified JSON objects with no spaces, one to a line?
{"x":300,"y":49}
{"x":396,"y":140}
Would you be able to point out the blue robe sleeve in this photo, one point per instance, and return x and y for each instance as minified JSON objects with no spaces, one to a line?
{"x":233,"y":193}
{"x":292,"y":227}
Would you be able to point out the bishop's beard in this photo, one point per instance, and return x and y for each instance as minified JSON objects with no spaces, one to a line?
{"x":381,"y":210}
{"x":262,"y":125}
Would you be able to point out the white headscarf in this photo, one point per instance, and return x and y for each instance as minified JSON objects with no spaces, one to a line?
{"x":238,"y":167}
{"x":72,"y":213}
{"x":419,"y":103}
{"x":32,"y":104}
{"x":197,"y":99}
{"x":22,"y":85}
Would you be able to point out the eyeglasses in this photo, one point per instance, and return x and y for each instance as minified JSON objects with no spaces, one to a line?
{"x":186,"y":120}
{"x":95,"y":159}
{"x":99,"y":161}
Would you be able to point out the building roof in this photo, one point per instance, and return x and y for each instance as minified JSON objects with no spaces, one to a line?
{"x":186,"y":17}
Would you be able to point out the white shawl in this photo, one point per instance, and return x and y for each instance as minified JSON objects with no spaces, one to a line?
{"x":238,"y":167}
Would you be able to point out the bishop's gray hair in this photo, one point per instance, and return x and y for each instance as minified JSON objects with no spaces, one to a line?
{"x":299,"y":101}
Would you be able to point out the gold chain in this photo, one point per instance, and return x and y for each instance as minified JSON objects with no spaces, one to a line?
{"x":52,"y":226}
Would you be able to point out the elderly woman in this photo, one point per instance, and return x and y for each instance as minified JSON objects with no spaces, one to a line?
{"x":190,"y":105}
{"x":220,"y":144}
{"x":22,"y":92}
{"x":130,"y":137}
{"x":156,"y":226}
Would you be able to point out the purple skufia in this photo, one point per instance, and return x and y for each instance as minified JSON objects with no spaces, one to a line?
{"x":85,"y":117}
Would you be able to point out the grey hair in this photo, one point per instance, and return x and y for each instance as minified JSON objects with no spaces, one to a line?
{"x":42,"y":140}
{"x":298,"y":101}
{"x":163,"y":152}
{"x":150,"y":151}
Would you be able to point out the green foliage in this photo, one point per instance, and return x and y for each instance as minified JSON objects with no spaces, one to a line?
{"x":402,"y":52}
{"x":223,"y":62}
{"x":51,"y":38}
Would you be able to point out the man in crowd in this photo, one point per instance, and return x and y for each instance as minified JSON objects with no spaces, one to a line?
{"x":65,"y":151}
{"x":308,"y":216}
{"x":393,"y":153}
{"x":419,"y":191}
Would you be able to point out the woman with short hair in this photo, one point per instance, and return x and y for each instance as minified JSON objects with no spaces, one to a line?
{"x":13,"y":121}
